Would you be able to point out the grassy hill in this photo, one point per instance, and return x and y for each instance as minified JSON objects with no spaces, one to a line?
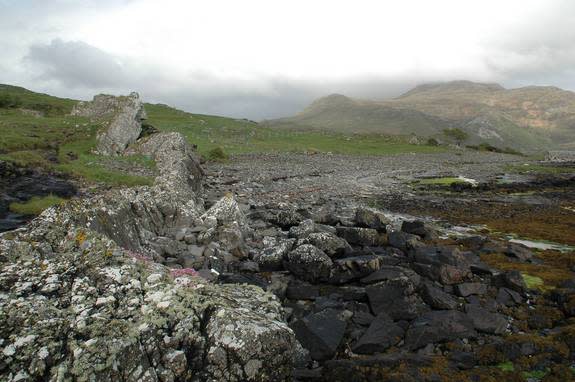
{"x":531,"y":118}
{"x":38,"y":131}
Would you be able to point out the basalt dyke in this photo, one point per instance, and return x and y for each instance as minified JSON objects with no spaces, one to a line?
{"x":279,"y":268}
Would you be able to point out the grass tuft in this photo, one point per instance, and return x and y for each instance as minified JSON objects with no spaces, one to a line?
{"x":35,"y":205}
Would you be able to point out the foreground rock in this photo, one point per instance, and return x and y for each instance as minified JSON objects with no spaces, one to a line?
{"x":75,"y":305}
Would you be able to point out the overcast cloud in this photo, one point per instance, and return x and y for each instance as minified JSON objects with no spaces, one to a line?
{"x":265,"y":59}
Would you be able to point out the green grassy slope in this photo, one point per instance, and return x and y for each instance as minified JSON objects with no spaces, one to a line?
{"x":40,"y":132}
{"x":242,"y":136}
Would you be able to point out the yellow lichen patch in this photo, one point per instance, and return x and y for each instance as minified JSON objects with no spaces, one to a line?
{"x":80,"y":237}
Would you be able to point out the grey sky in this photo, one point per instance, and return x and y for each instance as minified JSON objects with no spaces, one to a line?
{"x":264,"y":59}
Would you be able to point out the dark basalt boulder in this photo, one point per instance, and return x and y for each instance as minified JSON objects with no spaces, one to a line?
{"x":389,"y":272}
{"x":395,"y":298}
{"x":402,"y":240}
{"x":485,"y":321}
{"x":437,"y":299}
{"x":468,"y":289}
{"x":439,"y":326}
{"x":301,"y":291}
{"x":512,"y":280}
{"x":508,"y":297}
{"x":519,"y":252}
{"x":382,"y":334}
{"x":353,"y":268}
{"x":320,"y":333}
{"x":419,"y":228}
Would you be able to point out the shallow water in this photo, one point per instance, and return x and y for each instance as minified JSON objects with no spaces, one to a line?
{"x":542,"y":245}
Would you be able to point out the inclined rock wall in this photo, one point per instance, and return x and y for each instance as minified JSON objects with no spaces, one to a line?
{"x":124,"y":117}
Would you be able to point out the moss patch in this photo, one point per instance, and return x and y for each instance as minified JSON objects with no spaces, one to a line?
{"x":446,"y":181}
{"x":548,"y":274}
{"x":35,"y":205}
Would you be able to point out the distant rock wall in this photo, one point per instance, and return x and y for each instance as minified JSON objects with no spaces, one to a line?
{"x":560,"y":156}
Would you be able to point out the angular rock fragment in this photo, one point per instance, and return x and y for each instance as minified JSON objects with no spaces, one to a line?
{"x":331,"y":244}
{"x":382,"y":334}
{"x":437,"y":299}
{"x":320,"y":333}
{"x":468,"y":289}
{"x":361,"y":236}
{"x":271,"y":258}
{"x":419,"y":228}
{"x":309,"y":263}
{"x":124,"y":116}
{"x":438,"y":326}
{"x":403,"y":241}
{"x":352,"y":268}
{"x":371,"y":218}
{"x":486,"y":321}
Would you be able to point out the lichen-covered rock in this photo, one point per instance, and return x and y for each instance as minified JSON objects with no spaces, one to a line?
{"x":123,"y":115}
{"x":271,"y":258}
{"x":309,"y":263}
{"x":226,"y":224}
{"x":77,"y":306}
{"x":371,"y":218}
{"x":176,"y":160}
{"x":328,"y":242}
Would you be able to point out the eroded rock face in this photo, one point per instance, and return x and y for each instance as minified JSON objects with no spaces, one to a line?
{"x":124,"y":115}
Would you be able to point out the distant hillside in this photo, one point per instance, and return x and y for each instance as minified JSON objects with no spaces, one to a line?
{"x":529,"y":118}
{"x":37,"y":130}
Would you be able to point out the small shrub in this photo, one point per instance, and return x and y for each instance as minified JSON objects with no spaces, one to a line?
{"x":8,"y":100}
{"x":456,"y":133}
{"x":217,"y":155}
{"x":147,"y":130}
{"x":48,"y":109}
{"x":432,"y":142}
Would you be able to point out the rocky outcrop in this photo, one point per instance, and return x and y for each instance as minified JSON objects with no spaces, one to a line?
{"x":77,"y":306}
{"x":123,"y":117}
{"x":84,"y":294}
{"x":560,"y":156}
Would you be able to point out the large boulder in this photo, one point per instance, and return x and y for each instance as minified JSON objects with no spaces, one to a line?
{"x":439,"y":326}
{"x":382,"y":334}
{"x":395,"y":298}
{"x":309,"y":263}
{"x":77,"y":306}
{"x":371,"y":218}
{"x":123,"y":117}
{"x":320,"y":333}
{"x":331,"y":244}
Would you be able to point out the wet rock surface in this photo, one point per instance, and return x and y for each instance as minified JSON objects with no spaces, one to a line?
{"x":18,"y":185}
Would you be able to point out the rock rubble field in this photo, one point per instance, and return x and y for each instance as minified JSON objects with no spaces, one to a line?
{"x":277,"y":267}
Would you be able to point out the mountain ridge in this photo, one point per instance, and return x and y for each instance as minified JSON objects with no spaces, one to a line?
{"x":531,"y":118}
